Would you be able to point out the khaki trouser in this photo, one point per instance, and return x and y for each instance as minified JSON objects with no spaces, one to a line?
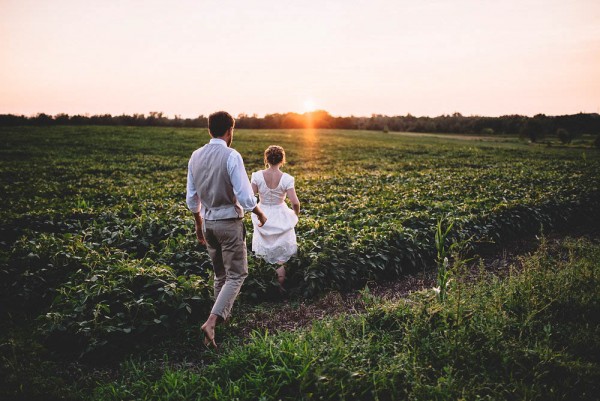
{"x":226,"y":244}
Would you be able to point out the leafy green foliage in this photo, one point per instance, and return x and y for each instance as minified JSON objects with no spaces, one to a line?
{"x":123,"y":298}
{"x":97,"y":241}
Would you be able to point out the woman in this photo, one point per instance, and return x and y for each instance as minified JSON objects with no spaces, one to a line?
{"x":275,"y":242}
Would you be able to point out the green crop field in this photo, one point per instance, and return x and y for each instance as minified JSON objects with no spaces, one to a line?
{"x":97,"y":235}
{"x":97,"y":250}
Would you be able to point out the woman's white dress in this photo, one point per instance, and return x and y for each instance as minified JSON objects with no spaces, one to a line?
{"x":275,"y":242}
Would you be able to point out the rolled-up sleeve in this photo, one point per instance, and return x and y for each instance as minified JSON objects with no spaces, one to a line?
{"x":192,"y":199}
{"x":239,"y":180}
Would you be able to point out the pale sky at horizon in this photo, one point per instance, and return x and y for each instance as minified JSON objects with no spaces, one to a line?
{"x":348,"y":57}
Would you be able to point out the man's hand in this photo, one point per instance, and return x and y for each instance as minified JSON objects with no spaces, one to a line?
{"x":200,"y":235}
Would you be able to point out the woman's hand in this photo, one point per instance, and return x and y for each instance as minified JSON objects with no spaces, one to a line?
{"x":262,"y":217}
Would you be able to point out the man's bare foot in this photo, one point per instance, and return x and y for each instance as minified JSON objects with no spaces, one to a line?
{"x":208,"y":328}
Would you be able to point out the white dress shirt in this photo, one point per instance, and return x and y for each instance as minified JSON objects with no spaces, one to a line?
{"x":237,"y":173}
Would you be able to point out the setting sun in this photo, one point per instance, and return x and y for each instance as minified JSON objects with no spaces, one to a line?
{"x":309,"y":105}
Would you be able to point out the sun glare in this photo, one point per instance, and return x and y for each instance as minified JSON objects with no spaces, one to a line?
{"x":309,"y":105}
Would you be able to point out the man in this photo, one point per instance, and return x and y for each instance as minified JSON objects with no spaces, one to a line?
{"x":218,"y":193}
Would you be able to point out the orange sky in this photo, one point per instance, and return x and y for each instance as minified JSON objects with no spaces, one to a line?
{"x":192,"y":57}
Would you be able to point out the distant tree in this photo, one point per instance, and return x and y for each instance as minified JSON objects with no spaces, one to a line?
{"x":597,"y":141}
{"x":62,"y":118}
{"x":487,"y":131}
{"x":157,"y":118}
{"x":200,"y":122}
{"x":533,"y":130}
{"x":79,"y":119}
{"x":12,"y":120}
{"x":295,"y":120}
{"x":564,"y":136}
{"x":344,"y":122}
{"x":273,"y":121}
{"x":138,"y":119}
{"x":43,"y":119}
{"x":380,"y":122}
{"x":177,"y":121}
{"x":102,"y":119}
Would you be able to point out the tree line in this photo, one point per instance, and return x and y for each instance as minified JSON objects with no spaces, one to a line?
{"x":534,"y":128}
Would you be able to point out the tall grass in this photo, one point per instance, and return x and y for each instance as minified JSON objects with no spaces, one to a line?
{"x":532,"y":335}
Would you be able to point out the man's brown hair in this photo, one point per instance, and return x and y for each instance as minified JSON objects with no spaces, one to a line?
{"x":219,"y":122}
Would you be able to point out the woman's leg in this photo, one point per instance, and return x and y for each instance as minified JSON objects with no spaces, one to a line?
{"x":281,"y":274}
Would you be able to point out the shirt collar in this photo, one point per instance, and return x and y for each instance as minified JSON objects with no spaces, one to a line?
{"x":217,"y":141}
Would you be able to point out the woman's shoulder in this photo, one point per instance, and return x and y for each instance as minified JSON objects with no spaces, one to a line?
{"x":257,"y":175}
{"x":287,"y":180}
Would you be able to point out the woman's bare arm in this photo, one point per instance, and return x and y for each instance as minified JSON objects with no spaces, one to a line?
{"x":291,"y":193}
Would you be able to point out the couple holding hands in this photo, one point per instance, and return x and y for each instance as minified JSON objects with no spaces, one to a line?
{"x":218,"y":194}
